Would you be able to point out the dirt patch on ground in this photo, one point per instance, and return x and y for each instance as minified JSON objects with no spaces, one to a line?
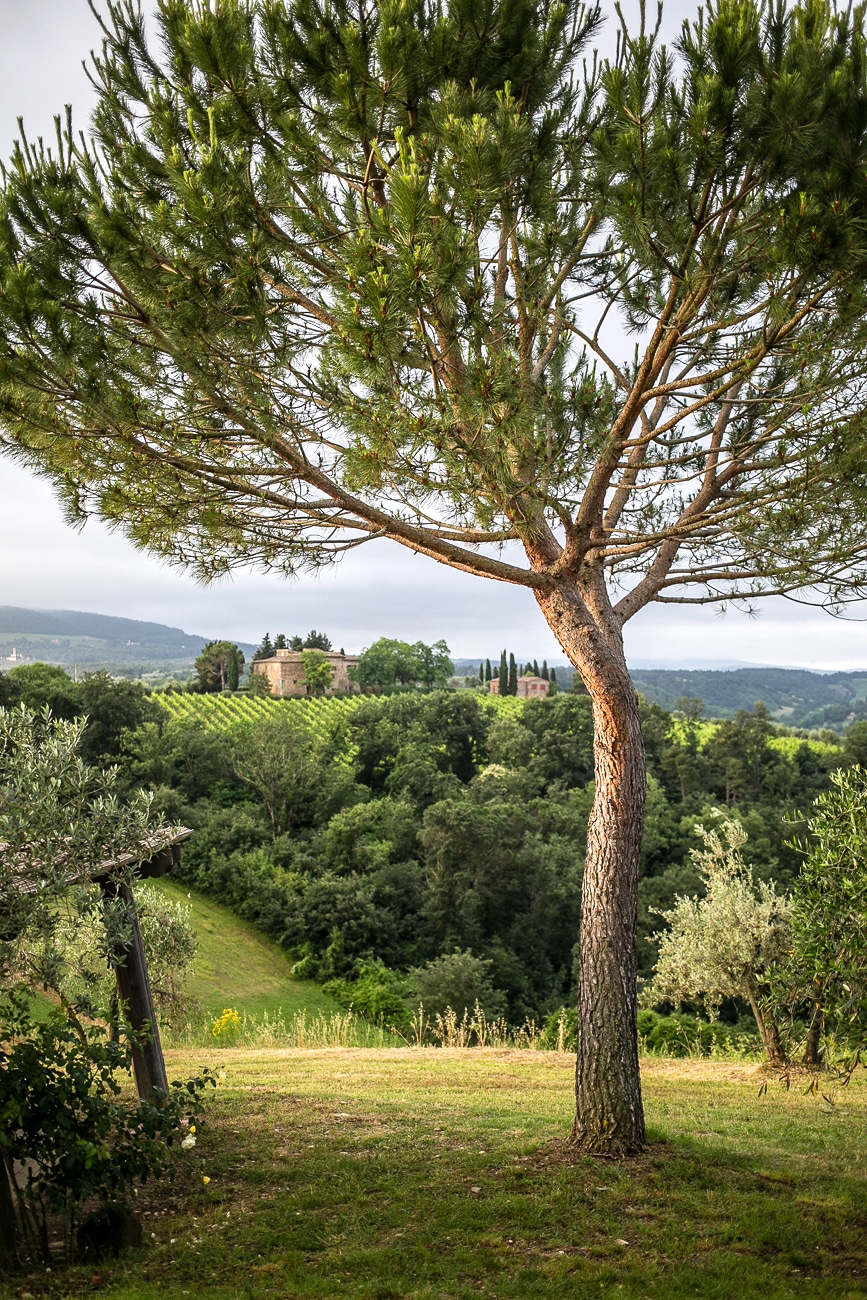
{"x":561,"y":1154}
{"x":698,"y":1070}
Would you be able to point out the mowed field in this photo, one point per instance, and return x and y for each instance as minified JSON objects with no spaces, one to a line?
{"x":443,"y":1175}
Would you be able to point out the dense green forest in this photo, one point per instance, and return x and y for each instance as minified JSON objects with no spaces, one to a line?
{"x":433,"y":840}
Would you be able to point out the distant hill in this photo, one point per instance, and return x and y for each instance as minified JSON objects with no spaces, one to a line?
{"x":794,"y":696}
{"x":70,"y":637}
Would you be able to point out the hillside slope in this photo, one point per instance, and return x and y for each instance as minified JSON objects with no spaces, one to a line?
{"x":68,"y":637}
{"x":796,"y":697}
{"x":237,"y":966}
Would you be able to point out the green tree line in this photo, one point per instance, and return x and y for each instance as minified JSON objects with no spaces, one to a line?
{"x":426,"y":826}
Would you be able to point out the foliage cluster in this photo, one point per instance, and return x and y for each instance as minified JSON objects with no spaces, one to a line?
{"x":219,"y":667}
{"x":389,"y":663}
{"x":374,"y":838}
{"x":62,"y":1118}
{"x":60,"y":819}
{"x":111,"y":706}
{"x":312,"y":641}
{"x":800,"y":954}
{"x":725,"y":944}
{"x":86,"y":926}
{"x":827,"y":974}
{"x":65,"y":1119}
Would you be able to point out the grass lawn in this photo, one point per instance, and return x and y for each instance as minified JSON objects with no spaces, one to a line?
{"x":237,"y":966}
{"x":441,"y":1175}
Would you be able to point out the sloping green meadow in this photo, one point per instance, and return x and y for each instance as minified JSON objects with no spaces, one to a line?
{"x":237,"y":966}
{"x":442,"y":1175}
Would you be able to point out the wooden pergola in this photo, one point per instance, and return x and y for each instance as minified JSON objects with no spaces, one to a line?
{"x":150,"y":859}
{"x":129,"y":961}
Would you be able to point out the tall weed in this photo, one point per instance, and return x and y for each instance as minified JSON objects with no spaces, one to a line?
{"x":304,"y":1030}
{"x":666,"y":1036}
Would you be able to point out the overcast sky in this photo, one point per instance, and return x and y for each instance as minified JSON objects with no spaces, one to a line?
{"x":379,"y":590}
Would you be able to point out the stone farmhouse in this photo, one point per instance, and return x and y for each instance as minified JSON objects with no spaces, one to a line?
{"x":285,"y":672}
{"x":529,"y":688}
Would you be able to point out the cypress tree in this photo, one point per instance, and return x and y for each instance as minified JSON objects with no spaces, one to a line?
{"x":535,"y":667}
{"x":544,"y":673}
{"x":233,"y":669}
{"x":266,"y":649}
{"x":504,"y":675}
{"x":513,"y":676}
{"x":488,"y":674}
{"x":482,"y":673}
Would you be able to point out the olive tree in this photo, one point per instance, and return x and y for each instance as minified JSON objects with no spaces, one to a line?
{"x":60,"y":819}
{"x":727,"y":943}
{"x":827,"y":970}
{"x":327,"y":272}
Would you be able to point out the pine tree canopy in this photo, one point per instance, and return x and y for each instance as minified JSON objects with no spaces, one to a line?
{"x":329,"y":272}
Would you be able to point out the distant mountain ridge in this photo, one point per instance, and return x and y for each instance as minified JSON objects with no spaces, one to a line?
{"x":67,"y":637}
{"x":794,"y":696}
{"x":797,"y":697}
{"x":104,"y":627}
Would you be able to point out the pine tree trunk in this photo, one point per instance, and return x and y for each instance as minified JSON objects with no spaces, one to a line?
{"x":609,"y":1118}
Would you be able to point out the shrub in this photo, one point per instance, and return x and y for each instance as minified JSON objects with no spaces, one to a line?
{"x":457,"y":981}
{"x":725,"y":944}
{"x":559,"y":1030}
{"x":376,"y":993}
{"x":64,"y":1116}
{"x":683,"y":1035}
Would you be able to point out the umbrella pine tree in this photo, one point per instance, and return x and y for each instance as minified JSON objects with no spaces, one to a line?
{"x":324,"y":274}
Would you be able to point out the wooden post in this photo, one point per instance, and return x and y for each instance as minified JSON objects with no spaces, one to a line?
{"x":134,"y":992}
{"x":8,"y":1222}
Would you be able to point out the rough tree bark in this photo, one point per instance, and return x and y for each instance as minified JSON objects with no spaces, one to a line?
{"x":609,"y":1117}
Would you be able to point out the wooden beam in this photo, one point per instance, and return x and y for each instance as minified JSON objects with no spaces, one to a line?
{"x":136,"y":999}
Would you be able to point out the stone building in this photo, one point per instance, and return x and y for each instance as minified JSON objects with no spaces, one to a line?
{"x":285,"y":672}
{"x":529,"y":688}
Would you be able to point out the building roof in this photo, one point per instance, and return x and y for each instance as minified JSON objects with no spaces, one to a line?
{"x":280,"y":656}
